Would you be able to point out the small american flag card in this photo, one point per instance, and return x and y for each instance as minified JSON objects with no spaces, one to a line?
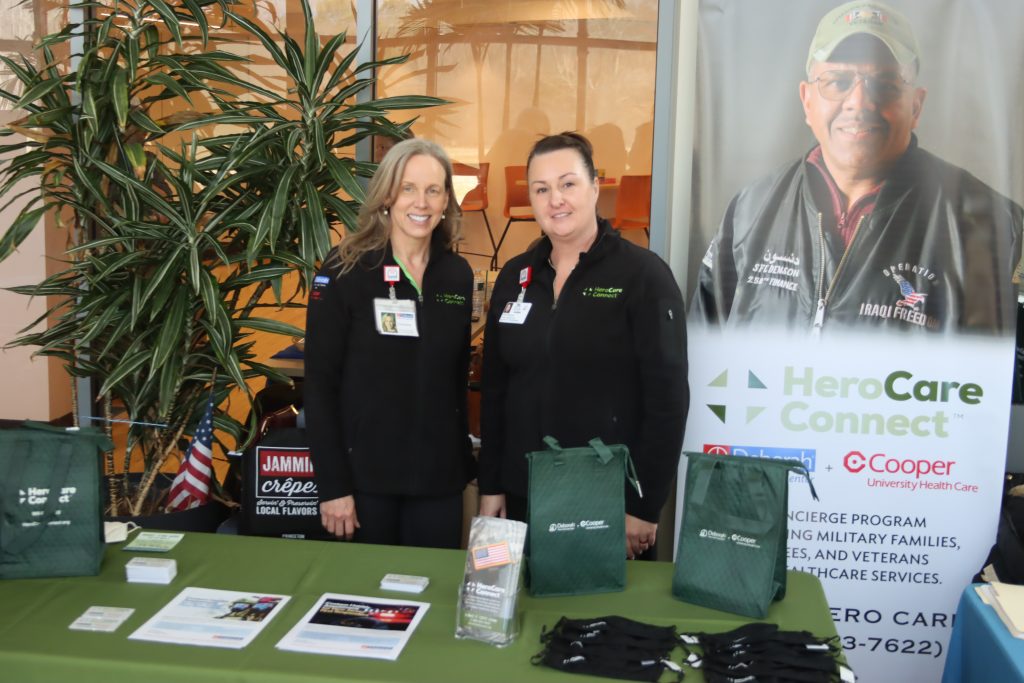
{"x":493,"y":555}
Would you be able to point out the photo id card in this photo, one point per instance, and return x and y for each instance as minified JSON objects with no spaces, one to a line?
{"x":515,"y":312}
{"x":395,"y":317}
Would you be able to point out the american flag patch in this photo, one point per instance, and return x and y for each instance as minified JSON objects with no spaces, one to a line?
{"x":494,"y":555}
{"x":911,"y":297}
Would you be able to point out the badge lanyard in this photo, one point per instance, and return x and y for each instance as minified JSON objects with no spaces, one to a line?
{"x":516,"y":311}
{"x":525,"y":277}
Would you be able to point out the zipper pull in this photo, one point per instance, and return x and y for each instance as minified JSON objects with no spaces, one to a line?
{"x":819,"y":315}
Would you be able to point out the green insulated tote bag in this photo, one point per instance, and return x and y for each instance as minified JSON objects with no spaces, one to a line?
{"x":577,"y":518}
{"x":50,"y":507}
{"x":732,"y":540}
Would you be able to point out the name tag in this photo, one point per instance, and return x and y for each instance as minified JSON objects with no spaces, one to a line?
{"x":395,"y":317}
{"x":515,"y":312}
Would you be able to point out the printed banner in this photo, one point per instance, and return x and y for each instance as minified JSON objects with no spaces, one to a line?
{"x":854,"y":307}
{"x":904,"y":443}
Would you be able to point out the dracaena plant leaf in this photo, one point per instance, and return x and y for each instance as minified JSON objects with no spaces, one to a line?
{"x":189,"y":222}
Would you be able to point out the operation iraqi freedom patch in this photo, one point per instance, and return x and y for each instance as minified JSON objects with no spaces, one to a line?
{"x":909,"y":304}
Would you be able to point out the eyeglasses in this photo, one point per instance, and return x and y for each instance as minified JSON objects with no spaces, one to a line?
{"x":883,"y":88}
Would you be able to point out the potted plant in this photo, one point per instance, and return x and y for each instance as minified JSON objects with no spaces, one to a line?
{"x":181,"y":240}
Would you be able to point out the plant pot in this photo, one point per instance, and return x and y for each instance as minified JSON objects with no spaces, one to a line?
{"x":202,"y":518}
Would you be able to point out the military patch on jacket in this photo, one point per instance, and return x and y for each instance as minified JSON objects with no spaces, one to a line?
{"x":909,"y":296}
{"x":776,"y":270}
{"x":450,"y":299}
{"x":320,"y":283}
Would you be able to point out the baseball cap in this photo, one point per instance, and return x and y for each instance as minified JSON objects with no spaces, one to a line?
{"x":870,"y":18}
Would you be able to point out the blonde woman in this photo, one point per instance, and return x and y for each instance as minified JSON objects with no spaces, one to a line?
{"x":386,"y":402}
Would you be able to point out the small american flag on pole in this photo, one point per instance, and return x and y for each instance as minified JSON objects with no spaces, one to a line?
{"x":191,"y":487}
{"x":494,"y":555}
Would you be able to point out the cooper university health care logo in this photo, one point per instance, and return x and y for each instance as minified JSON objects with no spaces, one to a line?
{"x":882,"y":470}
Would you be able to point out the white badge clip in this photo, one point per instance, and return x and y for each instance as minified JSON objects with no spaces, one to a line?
{"x":525,"y":276}
{"x":391,"y":276}
{"x":395,"y":317}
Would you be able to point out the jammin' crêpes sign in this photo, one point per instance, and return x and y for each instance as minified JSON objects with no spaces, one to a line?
{"x":848,"y":312}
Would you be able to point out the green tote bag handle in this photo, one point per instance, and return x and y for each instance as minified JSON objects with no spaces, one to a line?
{"x":757,"y":483}
{"x":605,"y":455}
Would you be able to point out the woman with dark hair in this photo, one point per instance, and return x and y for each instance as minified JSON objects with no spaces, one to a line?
{"x":387,"y":357}
{"x":594,"y":345}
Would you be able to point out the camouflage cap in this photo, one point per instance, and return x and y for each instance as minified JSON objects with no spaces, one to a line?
{"x":870,"y":18}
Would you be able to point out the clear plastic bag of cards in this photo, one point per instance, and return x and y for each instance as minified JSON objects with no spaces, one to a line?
{"x":489,"y":595}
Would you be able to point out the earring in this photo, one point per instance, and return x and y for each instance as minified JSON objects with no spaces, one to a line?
{"x":385,"y":211}
{"x":443,"y":216}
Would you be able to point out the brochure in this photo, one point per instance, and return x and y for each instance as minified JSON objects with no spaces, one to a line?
{"x":154,"y":542}
{"x":355,"y":626}
{"x":212,"y":618}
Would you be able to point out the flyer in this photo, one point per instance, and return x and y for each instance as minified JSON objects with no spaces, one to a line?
{"x":355,"y":626}
{"x":211,"y":618}
{"x":154,"y":542}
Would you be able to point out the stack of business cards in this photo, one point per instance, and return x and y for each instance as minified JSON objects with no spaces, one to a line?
{"x":405,"y":583}
{"x":103,"y":619}
{"x":151,"y":570}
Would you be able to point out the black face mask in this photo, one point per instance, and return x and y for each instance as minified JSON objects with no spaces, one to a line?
{"x":593,"y":665}
{"x":614,"y":631}
{"x":617,"y":647}
{"x":612,"y":647}
{"x":761,"y":653}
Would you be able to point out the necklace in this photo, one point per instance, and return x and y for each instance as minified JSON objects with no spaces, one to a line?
{"x":556,"y":269}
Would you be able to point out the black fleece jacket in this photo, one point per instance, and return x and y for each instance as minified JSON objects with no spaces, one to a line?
{"x":387,"y":415}
{"x":609,"y":360}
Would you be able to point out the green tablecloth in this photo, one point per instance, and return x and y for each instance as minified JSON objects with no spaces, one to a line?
{"x":36,"y":644}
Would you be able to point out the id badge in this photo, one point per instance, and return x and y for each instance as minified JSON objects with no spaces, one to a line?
{"x":395,"y":317}
{"x":515,"y":312}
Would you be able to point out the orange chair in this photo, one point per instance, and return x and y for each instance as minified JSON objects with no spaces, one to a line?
{"x":633,"y":204}
{"x":517,"y":204}
{"x":476,"y":200}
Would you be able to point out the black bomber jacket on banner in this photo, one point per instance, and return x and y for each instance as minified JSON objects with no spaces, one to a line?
{"x":936,"y":254}
{"x":609,"y":361}
{"x":387,"y":415}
